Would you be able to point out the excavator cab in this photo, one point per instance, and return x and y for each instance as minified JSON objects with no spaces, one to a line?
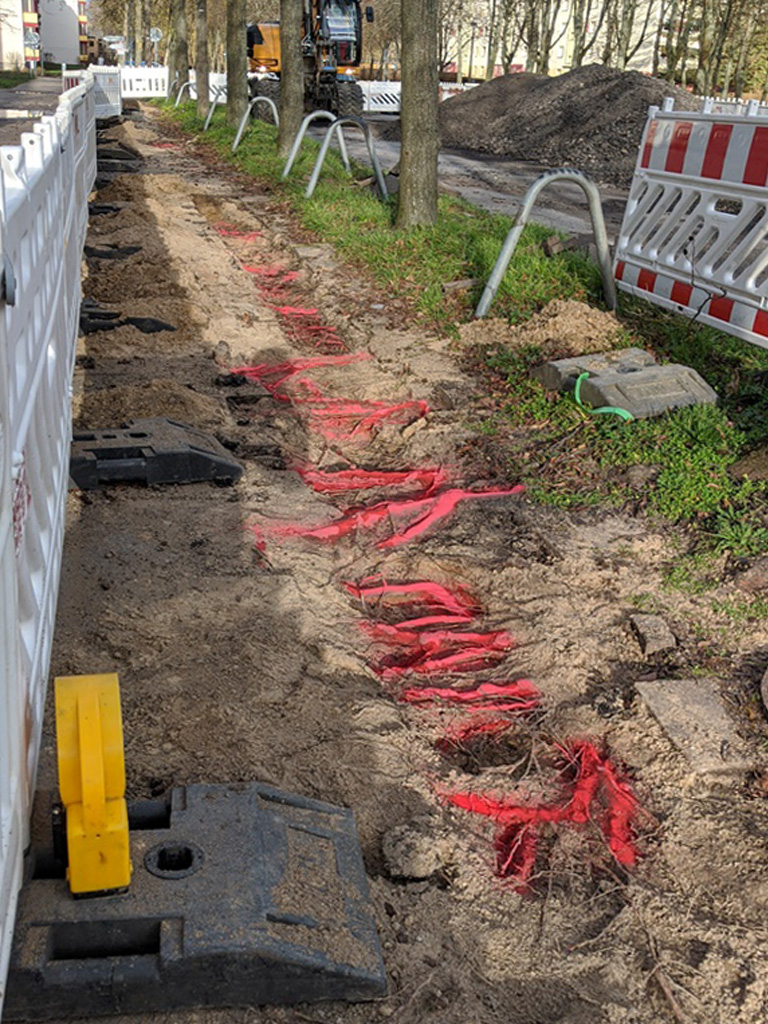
{"x":340,"y":26}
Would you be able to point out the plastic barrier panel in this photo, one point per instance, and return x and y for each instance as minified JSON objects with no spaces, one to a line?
{"x":216,"y":80}
{"x":695,"y":232}
{"x":138,"y":83}
{"x":44,"y":186}
{"x":107,"y":91}
{"x":381,"y":97}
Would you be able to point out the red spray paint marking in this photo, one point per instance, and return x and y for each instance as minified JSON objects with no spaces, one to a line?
{"x":427,"y":512}
{"x":272,"y":274}
{"x":343,"y":420}
{"x":439,"y":650}
{"x":282,"y":371}
{"x":460,"y":735}
{"x":596,"y":793}
{"x":231,"y":231}
{"x":294,"y":311}
{"x":423,"y":480}
{"x":518,"y":693}
{"x":434,"y":595}
{"x":436,"y":620}
{"x":516,"y":847}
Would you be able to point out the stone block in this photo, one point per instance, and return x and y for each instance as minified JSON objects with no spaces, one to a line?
{"x":559,"y":374}
{"x":653,"y":633}
{"x":648,"y":391}
{"x":691,"y":713}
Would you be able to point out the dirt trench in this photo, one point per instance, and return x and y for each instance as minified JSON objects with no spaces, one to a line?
{"x":241,"y":655}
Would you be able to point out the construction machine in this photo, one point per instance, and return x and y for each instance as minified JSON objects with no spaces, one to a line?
{"x":331,"y":43}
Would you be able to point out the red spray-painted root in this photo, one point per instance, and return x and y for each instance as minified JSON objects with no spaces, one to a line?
{"x":440,"y":650}
{"x":431,"y":595}
{"x":516,"y":847}
{"x":354,"y":479}
{"x":272,"y":375}
{"x":595,"y":793}
{"x":516,"y":693}
{"x":424,"y":513}
{"x":343,"y":420}
{"x":232,"y":231}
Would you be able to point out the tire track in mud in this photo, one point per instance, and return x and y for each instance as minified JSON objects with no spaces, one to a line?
{"x":245,"y":663}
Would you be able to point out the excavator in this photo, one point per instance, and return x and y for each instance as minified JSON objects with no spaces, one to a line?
{"x":331,"y":42}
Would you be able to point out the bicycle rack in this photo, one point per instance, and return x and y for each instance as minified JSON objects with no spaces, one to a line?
{"x":337,"y":126}
{"x":219,"y":92}
{"x":592,"y":193}
{"x":328,"y":116}
{"x":246,"y":116}
{"x":185,"y":85}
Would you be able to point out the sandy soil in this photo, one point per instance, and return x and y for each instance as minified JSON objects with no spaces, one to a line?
{"x":239,"y":663}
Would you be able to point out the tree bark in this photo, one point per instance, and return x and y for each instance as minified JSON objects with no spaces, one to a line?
{"x":237,"y":62}
{"x":202,"y":66}
{"x":417,"y":201}
{"x":130,"y":31}
{"x":291,"y":75}
{"x":179,"y":52}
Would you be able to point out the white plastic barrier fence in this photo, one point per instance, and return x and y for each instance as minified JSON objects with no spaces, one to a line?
{"x":216,"y":80}
{"x":695,"y":232}
{"x":44,"y":187}
{"x":381,"y":97}
{"x":107,"y":91}
{"x":143,"y":83}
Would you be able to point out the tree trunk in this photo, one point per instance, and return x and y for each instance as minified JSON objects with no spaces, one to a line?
{"x":144,"y":25}
{"x":460,"y":46}
{"x":130,"y":31}
{"x":179,"y":53}
{"x":291,"y":75}
{"x":237,"y":62}
{"x":417,"y":201}
{"x":202,"y":66}
{"x":493,"y":41}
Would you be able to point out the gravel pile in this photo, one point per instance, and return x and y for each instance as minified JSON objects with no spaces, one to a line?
{"x":591,"y":118}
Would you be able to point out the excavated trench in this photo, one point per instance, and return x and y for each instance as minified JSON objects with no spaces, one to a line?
{"x":369,"y":620}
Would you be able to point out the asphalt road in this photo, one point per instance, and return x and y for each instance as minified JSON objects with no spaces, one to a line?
{"x":498,"y":184}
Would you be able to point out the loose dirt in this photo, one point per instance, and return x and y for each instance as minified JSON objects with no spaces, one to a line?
{"x":591,"y":118}
{"x":241,"y":656}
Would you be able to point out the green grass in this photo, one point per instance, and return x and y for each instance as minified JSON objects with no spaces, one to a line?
{"x":567,"y":456}
{"x":10,"y":79}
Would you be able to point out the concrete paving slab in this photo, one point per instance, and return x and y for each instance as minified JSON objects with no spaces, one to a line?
{"x":649,"y":391}
{"x":692,"y":714}
{"x":558,"y":374}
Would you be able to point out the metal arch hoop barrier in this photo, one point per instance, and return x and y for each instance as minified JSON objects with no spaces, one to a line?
{"x":219,"y":91}
{"x":246,"y":116}
{"x":338,"y":126}
{"x":185,"y":85}
{"x":328,"y":116}
{"x":592,"y":193}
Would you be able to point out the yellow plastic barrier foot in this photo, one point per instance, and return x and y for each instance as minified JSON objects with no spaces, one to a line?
{"x":89,"y":733}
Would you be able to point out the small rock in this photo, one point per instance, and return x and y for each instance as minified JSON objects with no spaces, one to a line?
{"x":415,"y":850}
{"x":755,"y":578}
{"x":640,"y":477}
{"x":764,"y":690}
{"x":654,"y":634}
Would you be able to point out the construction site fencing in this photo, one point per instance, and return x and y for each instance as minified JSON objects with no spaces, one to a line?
{"x":44,"y":186}
{"x":695,"y":233}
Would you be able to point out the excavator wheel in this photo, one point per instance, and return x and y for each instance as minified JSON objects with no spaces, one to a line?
{"x":350,"y":99}
{"x":269,"y":87}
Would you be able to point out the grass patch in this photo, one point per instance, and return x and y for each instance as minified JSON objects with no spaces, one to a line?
{"x":10,"y":79}
{"x":675,"y":466}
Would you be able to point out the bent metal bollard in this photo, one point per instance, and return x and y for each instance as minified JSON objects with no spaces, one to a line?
{"x":510,"y":242}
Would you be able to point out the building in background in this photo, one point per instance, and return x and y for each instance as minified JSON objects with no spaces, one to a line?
{"x":63,"y":31}
{"x":19,"y":28}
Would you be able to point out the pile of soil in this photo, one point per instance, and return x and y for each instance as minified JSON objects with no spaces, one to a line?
{"x":591,"y":118}
{"x":565,"y":327}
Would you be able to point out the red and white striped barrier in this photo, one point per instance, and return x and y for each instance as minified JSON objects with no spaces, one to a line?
{"x":44,"y":187}
{"x":695,"y":232}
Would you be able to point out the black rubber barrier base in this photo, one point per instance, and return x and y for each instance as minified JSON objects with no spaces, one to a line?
{"x":241,"y":895}
{"x":153,"y":451}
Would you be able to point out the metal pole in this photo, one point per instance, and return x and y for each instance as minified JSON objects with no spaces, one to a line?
{"x":338,"y":126}
{"x":314,"y":116}
{"x":592,"y":193}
